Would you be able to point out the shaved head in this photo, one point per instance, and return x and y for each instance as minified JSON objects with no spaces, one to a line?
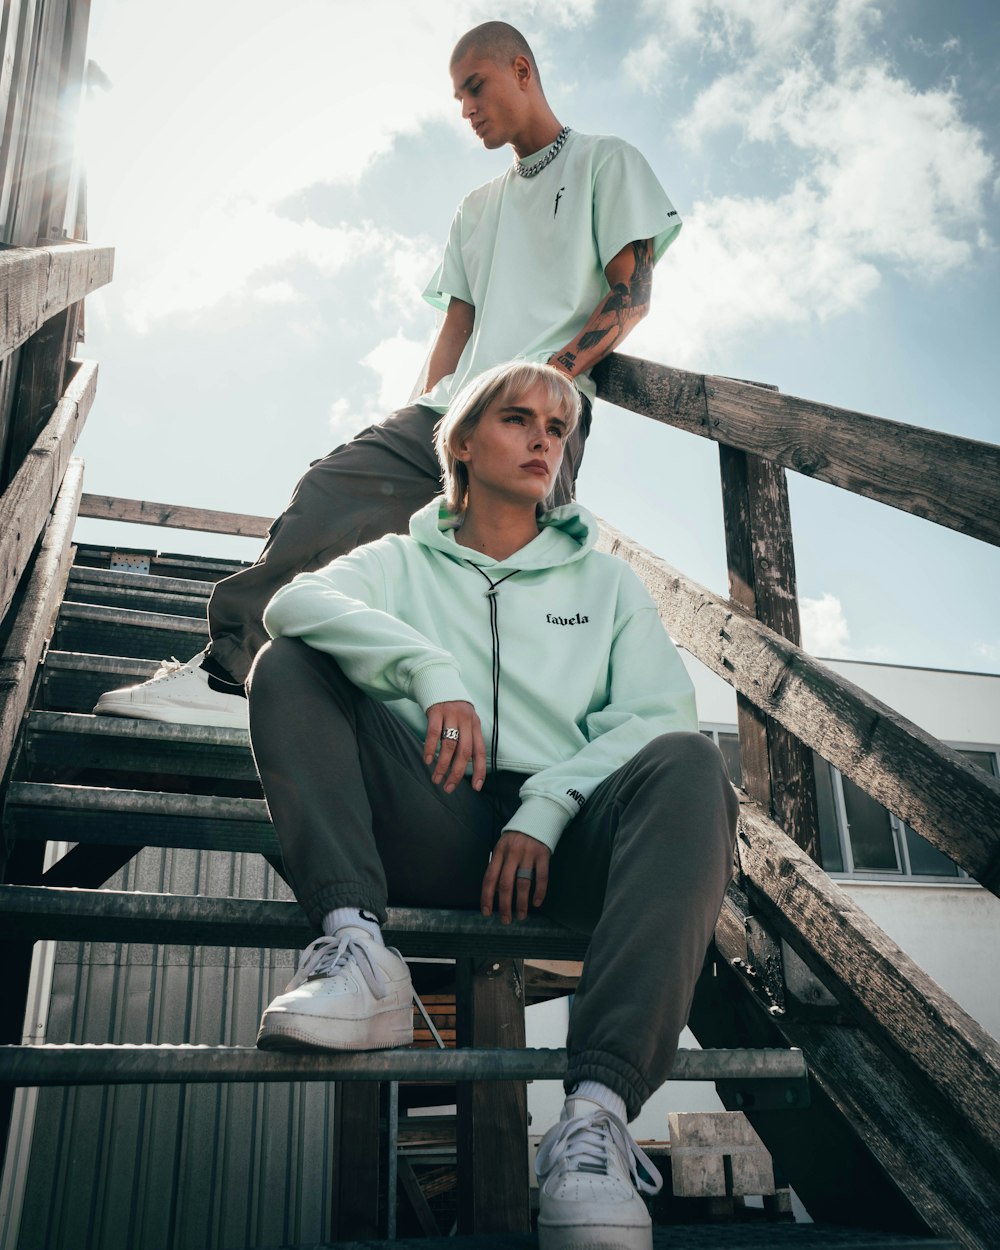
{"x":495,"y":41}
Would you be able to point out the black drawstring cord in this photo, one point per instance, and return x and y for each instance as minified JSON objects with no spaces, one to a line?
{"x":491,"y":594}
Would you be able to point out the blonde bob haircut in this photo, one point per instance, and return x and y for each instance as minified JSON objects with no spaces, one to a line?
{"x":501,"y":385}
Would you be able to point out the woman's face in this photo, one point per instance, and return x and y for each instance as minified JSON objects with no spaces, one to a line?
{"x":515,"y":451}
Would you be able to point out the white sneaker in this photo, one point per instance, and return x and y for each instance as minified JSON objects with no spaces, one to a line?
{"x":350,"y":993}
{"x":589,"y":1183}
{"x":182,"y":694}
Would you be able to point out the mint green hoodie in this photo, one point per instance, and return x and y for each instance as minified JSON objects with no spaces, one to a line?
{"x":587,"y":674}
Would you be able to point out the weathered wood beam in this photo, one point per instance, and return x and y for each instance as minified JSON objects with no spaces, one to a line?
{"x":36,"y":611}
{"x":947,"y":800}
{"x":142,"y":512}
{"x":892,"y":998}
{"x":38,"y":282}
{"x":777,"y":768}
{"x":870,"y":1129}
{"x":28,"y":499}
{"x":946,"y":479}
{"x":41,"y":379}
{"x":491,"y":1119}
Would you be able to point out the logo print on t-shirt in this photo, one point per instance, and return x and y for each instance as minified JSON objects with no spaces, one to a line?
{"x":558,"y":198}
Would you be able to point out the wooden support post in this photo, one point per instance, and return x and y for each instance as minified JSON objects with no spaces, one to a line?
{"x":356,"y":1161}
{"x":492,"y":1130}
{"x":777,"y":769}
{"x":41,"y":380}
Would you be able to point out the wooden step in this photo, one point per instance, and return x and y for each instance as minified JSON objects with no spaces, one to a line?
{"x":103,"y":816}
{"x":119,"y":1065}
{"x":40,"y":912}
{"x":161,"y":564}
{"x":74,"y":681}
{"x":172,"y":595}
{"x":121,"y":631}
{"x":66,"y":740}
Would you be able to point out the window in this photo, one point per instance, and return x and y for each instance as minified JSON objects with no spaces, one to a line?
{"x":858,"y":837}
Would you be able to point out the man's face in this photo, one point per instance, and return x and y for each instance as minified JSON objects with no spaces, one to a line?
{"x":493,"y":97}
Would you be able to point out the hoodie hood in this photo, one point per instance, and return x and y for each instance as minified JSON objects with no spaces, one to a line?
{"x":567,"y":534}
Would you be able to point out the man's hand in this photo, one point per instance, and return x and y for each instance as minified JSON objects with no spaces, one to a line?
{"x":501,"y":881}
{"x":455,"y":751}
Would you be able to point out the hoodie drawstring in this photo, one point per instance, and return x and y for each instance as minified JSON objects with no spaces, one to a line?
{"x":491,"y":594}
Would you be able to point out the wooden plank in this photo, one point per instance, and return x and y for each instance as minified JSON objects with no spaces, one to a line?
{"x":173,"y":516}
{"x":891,"y":996}
{"x":949,"y":480}
{"x":947,"y":800}
{"x":36,"y":612}
{"x":930,"y":1160}
{"x":40,"y":383}
{"x":28,"y":499}
{"x":777,"y":770}
{"x":492,"y":1119}
{"x":717,"y":1154}
{"x":38,"y":282}
{"x":357,"y":1161}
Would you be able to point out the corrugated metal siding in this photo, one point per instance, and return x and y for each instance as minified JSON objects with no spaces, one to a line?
{"x":200,"y":1167}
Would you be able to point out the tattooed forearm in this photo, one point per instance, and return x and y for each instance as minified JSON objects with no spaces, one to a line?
{"x":630,"y":276}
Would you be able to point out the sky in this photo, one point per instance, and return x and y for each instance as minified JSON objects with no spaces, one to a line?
{"x":278,"y":182}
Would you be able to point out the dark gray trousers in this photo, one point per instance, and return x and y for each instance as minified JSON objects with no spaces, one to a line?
{"x":362,"y":490}
{"x":642,"y":869}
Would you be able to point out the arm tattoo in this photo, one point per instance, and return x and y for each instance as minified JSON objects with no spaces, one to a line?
{"x":567,"y":360}
{"x":590,"y":338}
{"x":641,"y":285}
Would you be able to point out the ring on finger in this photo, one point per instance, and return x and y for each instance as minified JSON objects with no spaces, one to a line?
{"x":525,"y":874}
{"x":450,"y":734}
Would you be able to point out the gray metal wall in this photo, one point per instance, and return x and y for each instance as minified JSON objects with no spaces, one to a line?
{"x":202,"y":1167}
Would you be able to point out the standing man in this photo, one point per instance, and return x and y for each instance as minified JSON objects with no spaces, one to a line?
{"x":550,"y":262}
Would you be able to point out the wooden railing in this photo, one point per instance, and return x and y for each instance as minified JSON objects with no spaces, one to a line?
{"x":41,"y":294}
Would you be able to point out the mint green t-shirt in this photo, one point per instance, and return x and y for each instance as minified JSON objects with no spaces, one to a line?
{"x":529,"y":253}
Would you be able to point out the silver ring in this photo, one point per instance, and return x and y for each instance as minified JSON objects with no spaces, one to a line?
{"x":525,"y":874}
{"x":449,"y":735}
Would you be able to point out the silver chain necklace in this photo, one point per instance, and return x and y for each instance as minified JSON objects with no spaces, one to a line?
{"x":529,"y":171}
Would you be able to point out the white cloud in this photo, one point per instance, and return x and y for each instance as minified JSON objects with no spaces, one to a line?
{"x":280,"y":292}
{"x":989,"y":651}
{"x":871,"y":174}
{"x":824,"y":627}
{"x":343,"y":420}
{"x":397,"y":362}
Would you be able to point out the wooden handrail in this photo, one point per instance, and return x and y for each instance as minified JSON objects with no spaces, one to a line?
{"x":947,"y":800}
{"x":38,"y":282}
{"x":946,"y":479}
{"x":174,"y":516}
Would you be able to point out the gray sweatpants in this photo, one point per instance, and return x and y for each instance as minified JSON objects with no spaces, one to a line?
{"x":642,"y":868}
{"x":366,"y":488}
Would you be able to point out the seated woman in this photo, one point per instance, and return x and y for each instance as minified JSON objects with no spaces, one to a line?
{"x":489,"y":713}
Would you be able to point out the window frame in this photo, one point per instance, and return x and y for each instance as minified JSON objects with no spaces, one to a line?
{"x":904,"y":873}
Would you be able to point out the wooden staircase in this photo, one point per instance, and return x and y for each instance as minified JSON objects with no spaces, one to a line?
{"x":877,"y":1095}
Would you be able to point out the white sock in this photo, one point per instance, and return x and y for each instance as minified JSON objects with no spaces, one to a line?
{"x":604,"y":1097}
{"x":356,"y":918}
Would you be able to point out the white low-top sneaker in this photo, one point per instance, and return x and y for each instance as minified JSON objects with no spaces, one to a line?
{"x":349,"y":993}
{"x":181,"y":694}
{"x":591,"y":1176}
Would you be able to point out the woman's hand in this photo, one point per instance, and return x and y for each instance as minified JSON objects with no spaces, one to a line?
{"x":455,"y":751}
{"x":515,"y":851}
